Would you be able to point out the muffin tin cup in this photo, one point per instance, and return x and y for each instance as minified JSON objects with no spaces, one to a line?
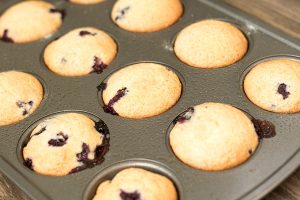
{"x":179,"y":75}
{"x":26,"y":135}
{"x":58,"y":36}
{"x":146,"y":164}
{"x":246,"y":30}
{"x":261,"y":60}
{"x":172,"y":153}
{"x":145,"y":142}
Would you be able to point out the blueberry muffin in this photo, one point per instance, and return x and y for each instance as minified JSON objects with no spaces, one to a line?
{"x":146,"y":15}
{"x":141,"y":90}
{"x":25,"y":21}
{"x":210,"y":44}
{"x":18,"y":98}
{"x":80,"y":52}
{"x":137,"y":184}
{"x":213,"y":136}
{"x":274,"y":85}
{"x":86,"y":1}
{"x":66,"y":143}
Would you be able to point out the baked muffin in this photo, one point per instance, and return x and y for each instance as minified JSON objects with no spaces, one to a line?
{"x":210,"y":44}
{"x":80,"y":52}
{"x":274,"y":85}
{"x":213,"y":136}
{"x":19,"y":98}
{"x":141,"y":90}
{"x":66,"y":143}
{"x":146,"y":15}
{"x":25,"y":21}
{"x":137,"y":184}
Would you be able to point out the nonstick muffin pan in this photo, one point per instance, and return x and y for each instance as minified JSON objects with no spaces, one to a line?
{"x":144,"y":143}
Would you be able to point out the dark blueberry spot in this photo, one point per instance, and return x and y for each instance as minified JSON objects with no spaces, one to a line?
{"x":62,"y":12}
{"x":60,"y":141}
{"x":86,"y":162}
{"x":109,"y":107}
{"x":83,"y":155}
{"x":25,"y":112}
{"x":101,"y":127}
{"x":263,"y":128}
{"x":121,"y":13}
{"x":99,"y":65}
{"x":130,"y":196}
{"x":40,"y":131}
{"x":102,"y":86}
{"x":282,"y":90}
{"x":63,"y":61}
{"x":28,"y":163}
{"x":99,"y":153}
{"x":186,"y":115}
{"x":6,"y":38}
{"x":250,"y":151}
{"x":20,"y":104}
{"x":84,"y":33}
{"x":77,"y":169}
{"x":26,"y":107}
{"x":101,"y":150}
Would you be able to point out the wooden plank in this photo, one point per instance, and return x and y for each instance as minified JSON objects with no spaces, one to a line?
{"x":282,"y":14}
{"x":288,"y":190}
{"x":9,"y":191}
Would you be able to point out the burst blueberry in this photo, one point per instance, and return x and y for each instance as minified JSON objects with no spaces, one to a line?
{"x":60,"y":141}
{"x":130,"y":196}
{"x":109,"y":107}
{"x":6,"y":38}
{"x":99,"y":65}
{"x":282,"y":89}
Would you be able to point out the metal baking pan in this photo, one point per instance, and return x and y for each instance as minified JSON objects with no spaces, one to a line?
{"x":144,"y":142}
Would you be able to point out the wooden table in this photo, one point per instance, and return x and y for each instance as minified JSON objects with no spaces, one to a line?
{"x":283,"y":14}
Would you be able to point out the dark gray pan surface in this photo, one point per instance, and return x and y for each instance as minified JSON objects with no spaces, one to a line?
{"x":138,"y":140}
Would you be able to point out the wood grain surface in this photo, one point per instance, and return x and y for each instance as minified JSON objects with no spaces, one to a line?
{"x":282,"y":14}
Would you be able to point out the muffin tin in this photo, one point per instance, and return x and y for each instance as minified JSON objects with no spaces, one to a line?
{"x":144,"y":143}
